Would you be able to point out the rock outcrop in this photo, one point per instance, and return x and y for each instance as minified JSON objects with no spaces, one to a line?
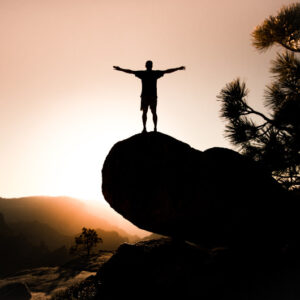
{"x":168,"y":269}
{"x":15,"y":291}
{"x":214,"y":198}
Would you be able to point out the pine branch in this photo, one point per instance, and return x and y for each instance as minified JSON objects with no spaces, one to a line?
{"x":288,"y":47}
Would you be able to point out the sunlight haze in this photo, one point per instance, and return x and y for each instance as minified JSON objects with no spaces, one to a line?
{"x":63,"y":106}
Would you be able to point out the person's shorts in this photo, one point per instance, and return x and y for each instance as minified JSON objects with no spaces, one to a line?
{"x":148,"y":101}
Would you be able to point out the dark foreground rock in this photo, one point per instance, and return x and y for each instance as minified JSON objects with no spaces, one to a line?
{"x":214,"y":198}
{"x":167,"y":269}
{"x":15,"y":291}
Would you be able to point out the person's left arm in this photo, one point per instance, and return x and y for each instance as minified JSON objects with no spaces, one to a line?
{"x":173,"y":70}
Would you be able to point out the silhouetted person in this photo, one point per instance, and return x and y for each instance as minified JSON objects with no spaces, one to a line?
{"x":149,"y":91}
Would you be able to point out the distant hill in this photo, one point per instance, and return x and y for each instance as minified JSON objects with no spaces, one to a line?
{"x":111,"y":239}
{"x":19,"y":250}
{"x":38,"y":231}
{"x":64,"y":214}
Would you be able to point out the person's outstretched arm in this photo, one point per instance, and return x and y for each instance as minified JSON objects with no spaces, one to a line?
{"x":174,"y":69}
{"x":124,"y":70}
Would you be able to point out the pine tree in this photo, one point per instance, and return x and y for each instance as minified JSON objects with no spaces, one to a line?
{"x":272,"y":139}
{"x":87,"y":240}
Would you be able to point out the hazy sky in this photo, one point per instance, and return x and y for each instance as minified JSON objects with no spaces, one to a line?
{"x":62,"y":106}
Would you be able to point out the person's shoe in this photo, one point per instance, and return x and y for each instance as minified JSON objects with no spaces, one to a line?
{"x":144,"y":130}
{"x":155,"y":129}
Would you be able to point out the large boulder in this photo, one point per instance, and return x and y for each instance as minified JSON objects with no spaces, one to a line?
{"x":214,"y":198}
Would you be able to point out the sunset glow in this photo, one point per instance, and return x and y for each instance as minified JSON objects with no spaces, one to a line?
{"x":63,"y":106}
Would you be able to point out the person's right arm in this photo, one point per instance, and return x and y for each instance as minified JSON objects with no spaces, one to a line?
{"x":124,"y":70}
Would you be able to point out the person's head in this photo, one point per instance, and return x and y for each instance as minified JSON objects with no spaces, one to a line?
{"x":149,"y":65}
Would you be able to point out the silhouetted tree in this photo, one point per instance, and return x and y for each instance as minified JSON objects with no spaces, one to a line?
{"x":86,"y":241}
{"x":273,"y":139}
{"x":283,"y":29}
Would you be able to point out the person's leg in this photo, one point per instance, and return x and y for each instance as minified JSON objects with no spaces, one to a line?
{"x":144,"y":108}
{"x":153,"y":110}
{"x":144,"y":117}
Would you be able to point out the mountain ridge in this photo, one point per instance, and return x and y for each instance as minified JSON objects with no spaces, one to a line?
{"x":65,"y":214}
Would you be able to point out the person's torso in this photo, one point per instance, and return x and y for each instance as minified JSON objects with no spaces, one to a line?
{"x":149,"y":82}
